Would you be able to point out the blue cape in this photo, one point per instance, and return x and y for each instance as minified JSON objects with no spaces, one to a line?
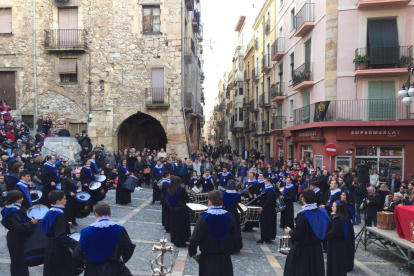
{"x":23,"y":189}
{"x":251,"y":183}
{"x":53,"y":170}
{"x":48,"y":220}
{"x":158,"y":171}
{"x":346,"y":226}
{"x":95,"y":166}
{"x":285,"y":190}
{"x":15,"y":177}
{"x":351,"y":210}
{"x":164,"y":183}
{"x":219,"y":225}
{"x":225,"y":179}
{"x":89,"y":172}
{"x":6,"y":212}
{"x":331,"y":198}
{"x":99,"y":243}
{"x":269,"y":189}
{"x":173,"y":200}
{"x":318,"y":221}
{"x":207,"y":182}
{"x":230,"y":199}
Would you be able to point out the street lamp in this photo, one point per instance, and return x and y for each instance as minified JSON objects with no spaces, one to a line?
{"x":404,"y":94}
{"x":274,"y":109}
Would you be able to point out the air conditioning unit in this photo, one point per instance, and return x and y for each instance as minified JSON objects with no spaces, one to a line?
{"x":61,"y":1}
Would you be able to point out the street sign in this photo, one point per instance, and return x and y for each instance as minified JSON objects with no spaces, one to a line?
{"x":331,"y":149}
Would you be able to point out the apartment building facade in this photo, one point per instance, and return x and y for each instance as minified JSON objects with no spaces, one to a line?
{"x":111,"y":67}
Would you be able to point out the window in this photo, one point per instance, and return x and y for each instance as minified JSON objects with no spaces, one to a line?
{"x":240,"y":90}
{"x":5,"y":21}
{"x":291,"y":109}
{"x":292,"y":64}
{"x":318,"y":161}
{"x":157,"y":89}
{"x":240,"y":113}
{"x":292,"y":20}
{"x":68,"y":70}
{"x":76,"y":128}
{"x":306,"y":107}
{"x":151,"y":19}
{"x":29,"y":120}
{"x":343,"y":161}
{"x":381,"y":105}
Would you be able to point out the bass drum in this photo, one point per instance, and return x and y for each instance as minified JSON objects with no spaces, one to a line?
{"x":83,"y":204}
{"x":34,"y":247}
{"x":95,"y":190}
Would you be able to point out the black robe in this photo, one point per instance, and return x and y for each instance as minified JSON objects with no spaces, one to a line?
{"x":234,"y":211}
{"x":47,"y":178}
{"x":156,"y":191}
{"x":112,"y":265}
{"x":123,"y":196}
{"x":26,"y":203}
{"x":68,"y":187}
{"x":215,"y":258}
{"x":58,"y":257}
{"x":84,"y":178}
{"x":319,"y":199}
{"x":254,"y":191}
{"x":11,"y":182}
{"x":207,"y":185}
{"x":16,"y":236}
{"x":268,"y":218}
{"x":179,"y":219}
{"x":287,"y":215}
{"x":337,"y":263}
{"x":164,"y":214}
{"x":305,"y":257}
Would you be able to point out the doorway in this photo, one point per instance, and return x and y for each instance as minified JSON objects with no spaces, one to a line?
{"x":7,"y":88}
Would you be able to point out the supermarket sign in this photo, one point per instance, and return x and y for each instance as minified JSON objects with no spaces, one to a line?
{"x":375,"y":133}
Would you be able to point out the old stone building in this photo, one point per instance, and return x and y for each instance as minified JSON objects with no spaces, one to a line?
{"x":113,"y":67}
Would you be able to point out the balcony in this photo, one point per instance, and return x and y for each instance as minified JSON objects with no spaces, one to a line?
{"x":255,"y":74}
{"x":277,"y":92}
{"x":189,"y":49}
{"x":265,"y":100}
{"x":278,"y":49}
{"x":265,"y":126}
{"x":367,"y":4}
{"x":65,"y":40}
{"x":246,"y":102}
{"x":302,"y":77}
{"x":267,"y":26}
{"x":305,"y":20}
{"x":352,"y":110}
{"x":266,"y":64}
{"x":278,"y":122}
{"x":382,"y":61}
{"x":189,"y":4}
{"x":157,"y":98}
{"x":253,"y":106}
{"x":189,"y":102}
{"x":198,"y":109}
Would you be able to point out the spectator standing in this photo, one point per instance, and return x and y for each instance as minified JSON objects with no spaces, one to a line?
{"x":5,"y":108}
{"x":373,"y":204}
{"x":64,"y":132}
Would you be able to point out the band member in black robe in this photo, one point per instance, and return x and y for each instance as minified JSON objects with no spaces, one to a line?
{"x":305,"y":257}
{"x":337,"y":236}
{"x":14,"y":219}
{"x":334,"y":196}
{"x":231,"y":199}
{"x":166,"y":181}
{"x":123,"y":196}
{"x":214,"y":234}
{"x":177,"y":197}
{"x":318,"y":194}
{"x":289,"y":197}
{"x":102,"y":245}
{"x":58,"y":257}
{"x":23,"y":186}
{"x":347,"y":198}
{"x":86,"y":175}
{"x":206,"y":182}
{"x":70,"y":188}
{"x":251,"y":190}
{"x":268,"y":219}
{"x":50,"y":177}
{"x":13,"y":177}
{"x":225,"y":176}
{"x":156,"y":176}
{"x":261,"y":181}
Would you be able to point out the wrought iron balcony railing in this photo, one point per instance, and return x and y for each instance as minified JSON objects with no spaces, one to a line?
{"x":65,"y":39}
{"x":382,"y":57}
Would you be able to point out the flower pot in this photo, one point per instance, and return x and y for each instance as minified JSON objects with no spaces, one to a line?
{"x":363,"y":66}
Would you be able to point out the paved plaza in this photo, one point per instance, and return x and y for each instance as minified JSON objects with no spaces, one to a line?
{"x":143,"y":223}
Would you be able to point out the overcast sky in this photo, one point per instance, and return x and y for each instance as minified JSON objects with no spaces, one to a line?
{"x":220,"y":40}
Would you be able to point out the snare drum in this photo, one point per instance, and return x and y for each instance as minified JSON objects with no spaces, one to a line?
{"x":196,"y":210}
{"x":75,"y":236}
{"x":35,"y":195}
{"x":243,"y":215}
{"x":82,"y":204}
{"x":191,"y":195}
{"x":201,"y":198}
{"x":285,"y":242}
{"x":253,"y":214}
{"x":37,"y":211}
{"x":95,"y":189}
{"x":100,"y":178}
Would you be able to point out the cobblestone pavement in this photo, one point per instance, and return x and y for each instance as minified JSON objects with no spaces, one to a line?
{"x":142,"y":221}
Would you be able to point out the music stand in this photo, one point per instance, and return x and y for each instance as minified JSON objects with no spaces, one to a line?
{"x":363,"y":231}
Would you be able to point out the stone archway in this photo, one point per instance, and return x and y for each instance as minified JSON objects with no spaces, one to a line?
{"x":141,"y":131}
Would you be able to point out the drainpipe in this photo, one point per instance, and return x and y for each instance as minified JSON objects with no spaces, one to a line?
{"x":34,"y":61}
{"x":182,"y":74}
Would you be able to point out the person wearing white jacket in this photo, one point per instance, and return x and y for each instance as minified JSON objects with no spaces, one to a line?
{"x":374,"y":179}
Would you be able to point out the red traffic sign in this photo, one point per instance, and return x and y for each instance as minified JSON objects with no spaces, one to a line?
{"x":331,"y":149}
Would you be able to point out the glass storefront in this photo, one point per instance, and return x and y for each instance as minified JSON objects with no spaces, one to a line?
{"x":384,"y":160}
{"x":307,"y":153}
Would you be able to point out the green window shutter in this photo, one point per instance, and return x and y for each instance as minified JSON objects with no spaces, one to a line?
{"x":383,"y":42}
{"x":381,"y":103}
{"x":306,"y":106}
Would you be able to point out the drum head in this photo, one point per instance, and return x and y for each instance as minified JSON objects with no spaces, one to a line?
{"x":35,"y":197}
{"x":101,"y":178}
{"x":83,"y":196}
{"x":75,"y":236}
{"x":38,"y":211}
{"x":197,"y":207}
{"x":95,"y":185}
{"x":59,"y":186}
{"x":244,"y":207}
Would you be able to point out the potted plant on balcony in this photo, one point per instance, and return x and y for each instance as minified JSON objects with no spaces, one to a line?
{"x":320,"y":139}
{"x":404,"y":61}
{"x":362,"y":61}
{"x":306,"y":74}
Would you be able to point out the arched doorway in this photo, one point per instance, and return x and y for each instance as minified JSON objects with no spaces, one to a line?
{"x":141,"y":131}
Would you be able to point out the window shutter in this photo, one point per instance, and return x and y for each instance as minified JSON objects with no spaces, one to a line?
{"x":381,"y":104}
{"x":383,"y":41}
{"x":5,"y":21}
{"x":67,"y":66}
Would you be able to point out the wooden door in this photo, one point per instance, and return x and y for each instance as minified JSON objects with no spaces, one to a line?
{"x":7,"y":88}
{"x":68,"y":27}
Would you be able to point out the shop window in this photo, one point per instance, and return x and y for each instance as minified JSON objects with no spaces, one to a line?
{"x":307,"y":153}
{"x":343,"y":161}
{"x":318,"y":161}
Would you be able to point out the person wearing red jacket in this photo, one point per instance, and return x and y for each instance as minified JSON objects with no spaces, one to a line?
{"x":5,"y":108}
{"x":10,"y":134}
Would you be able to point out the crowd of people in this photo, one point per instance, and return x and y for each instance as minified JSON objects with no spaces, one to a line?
{"x":332,"y":202}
